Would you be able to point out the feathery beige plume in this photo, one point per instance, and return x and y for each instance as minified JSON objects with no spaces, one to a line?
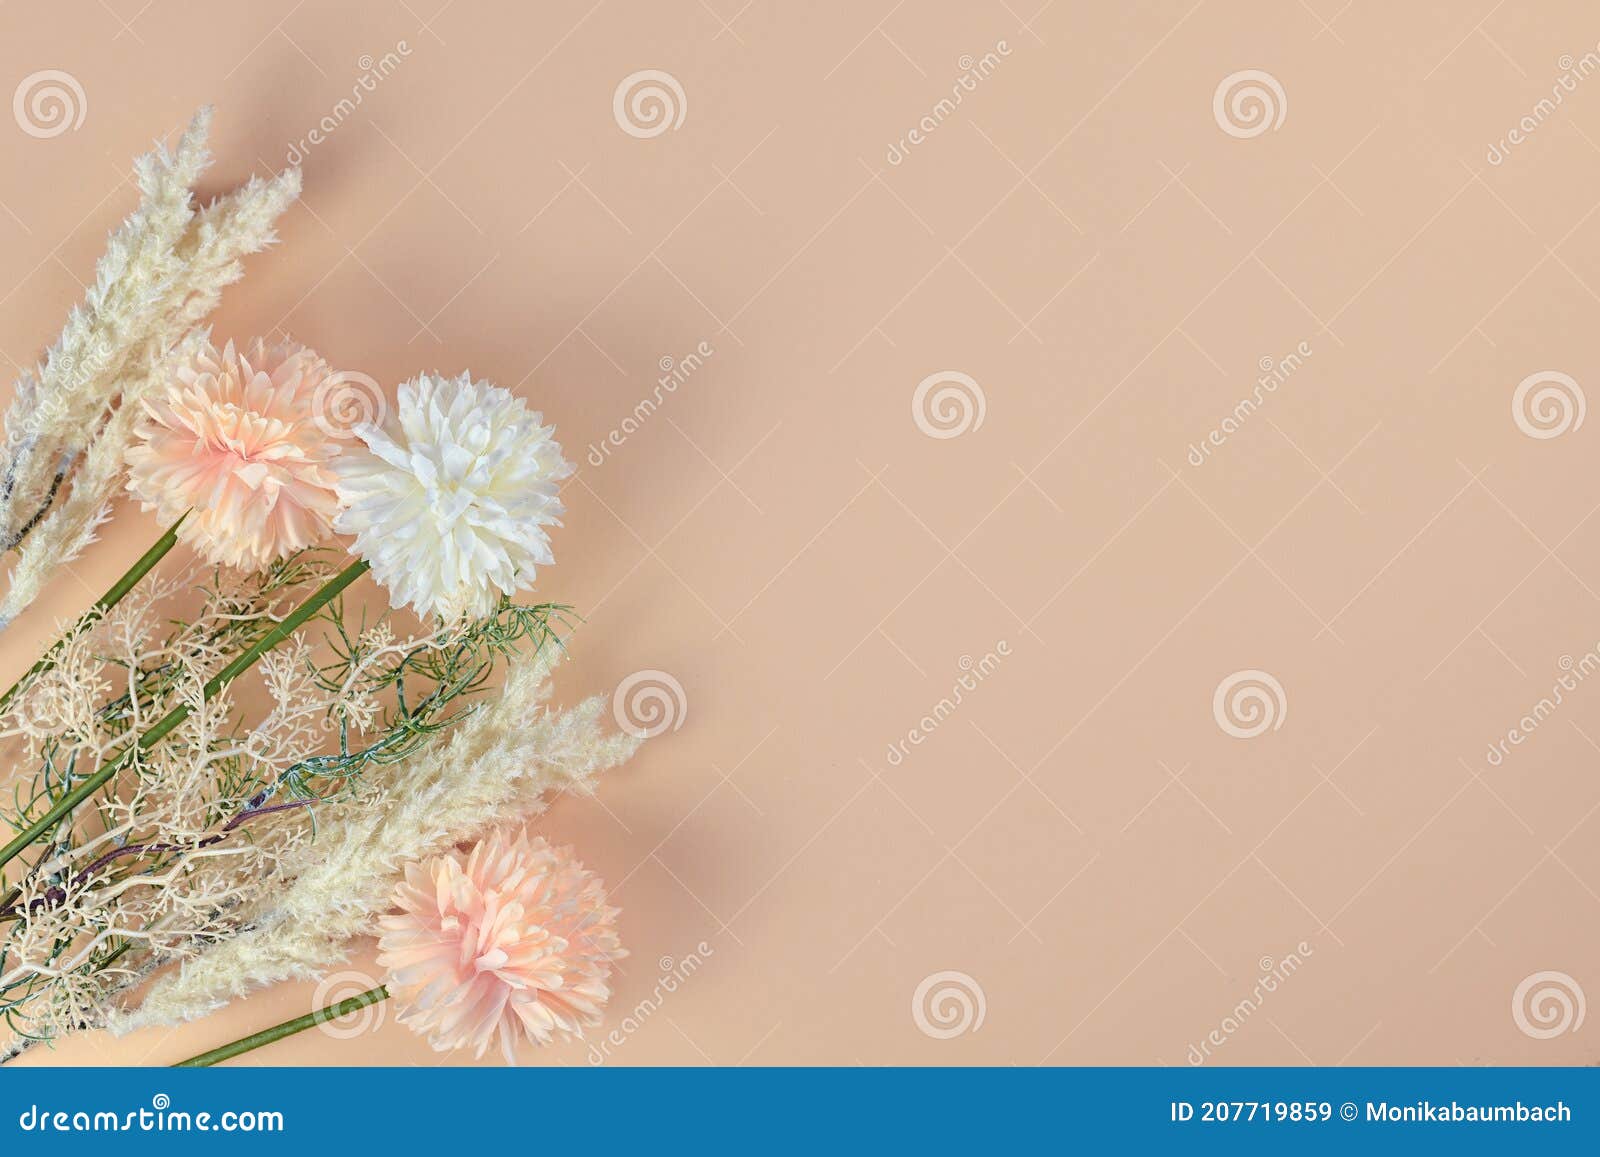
{"x":163,"y":272}
{"x":58,"y":404}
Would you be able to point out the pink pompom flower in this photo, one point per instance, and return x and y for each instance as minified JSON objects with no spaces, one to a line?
{"x":238,"y":440}
{"x":513,"y":942}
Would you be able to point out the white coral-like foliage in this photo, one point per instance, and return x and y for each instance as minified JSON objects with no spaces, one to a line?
{"x":500,"y":767}
{"x":450,"y":497}
{"x":196,"y":835}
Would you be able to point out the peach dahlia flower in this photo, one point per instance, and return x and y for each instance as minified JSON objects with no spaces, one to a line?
{"x":236,"y":438}
{"x":513,"y":942}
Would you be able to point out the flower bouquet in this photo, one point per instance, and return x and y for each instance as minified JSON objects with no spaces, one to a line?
{"x":223,"y":773}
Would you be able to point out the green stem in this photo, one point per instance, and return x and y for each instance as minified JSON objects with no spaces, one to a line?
{"x":159,"y":731}
{"x":106,"y":601}
{"x":288,"y":1028}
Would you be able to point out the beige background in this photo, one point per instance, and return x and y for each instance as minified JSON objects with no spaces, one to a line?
{"x":1081,"y":839}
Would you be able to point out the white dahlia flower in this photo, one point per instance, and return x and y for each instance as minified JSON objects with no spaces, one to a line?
{"x":451,"y":495}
